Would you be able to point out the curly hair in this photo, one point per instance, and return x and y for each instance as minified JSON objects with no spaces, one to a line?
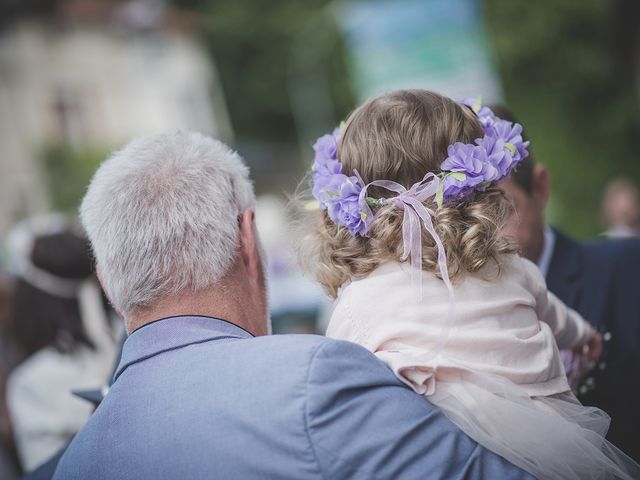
{"x":401,"y":136}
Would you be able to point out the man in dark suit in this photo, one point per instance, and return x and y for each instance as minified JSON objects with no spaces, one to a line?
{"x":601,"y":281}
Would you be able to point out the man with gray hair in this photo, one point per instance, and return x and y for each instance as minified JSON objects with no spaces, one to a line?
{"x":202,"y":390}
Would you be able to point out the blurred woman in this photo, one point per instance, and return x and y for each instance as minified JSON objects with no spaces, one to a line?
{"x":620,"y":211}
{"x":61,"y":329}
{"x":8,"y":459}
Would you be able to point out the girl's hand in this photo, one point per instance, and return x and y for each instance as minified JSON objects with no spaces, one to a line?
{"x":593,"y":348}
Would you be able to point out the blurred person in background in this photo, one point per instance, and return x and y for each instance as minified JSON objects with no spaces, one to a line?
{"x":296,"y":304}
{"x":9,"y":466}
{"x":621,"y":209}
{"x":599,"y":280}
{"x":60,"y":327}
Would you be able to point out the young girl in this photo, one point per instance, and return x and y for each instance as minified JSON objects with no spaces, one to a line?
{"x":409,"y":242}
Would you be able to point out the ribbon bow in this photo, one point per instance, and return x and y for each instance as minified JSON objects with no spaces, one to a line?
{"x":412,"y":202}
{"x":414,"y":212}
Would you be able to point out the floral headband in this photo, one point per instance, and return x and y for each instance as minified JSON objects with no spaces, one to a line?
{"x":467,"y":168}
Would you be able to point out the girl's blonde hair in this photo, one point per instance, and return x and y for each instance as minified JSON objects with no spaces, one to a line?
{"x":401,"y":136}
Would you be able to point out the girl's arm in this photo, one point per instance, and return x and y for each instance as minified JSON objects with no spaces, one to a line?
{"x":567,"y":325}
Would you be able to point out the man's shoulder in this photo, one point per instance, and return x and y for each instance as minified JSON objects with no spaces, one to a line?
{"x":316,"y":407}
{"x":607,"y":254}
{"x":321,"y":353}
{"x":322,"y":367}
{"x":614,"y":250}
{"x":598,"y":278}
{"x":294,"y":360}
{"x":611,"y":262}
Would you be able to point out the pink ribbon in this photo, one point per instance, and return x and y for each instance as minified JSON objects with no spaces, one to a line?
{"x":414,"y":211}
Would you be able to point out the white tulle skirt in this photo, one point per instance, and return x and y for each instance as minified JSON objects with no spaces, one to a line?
{"x":550,"y":437}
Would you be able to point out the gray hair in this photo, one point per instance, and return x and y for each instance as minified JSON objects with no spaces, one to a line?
{"x":162,"y":216}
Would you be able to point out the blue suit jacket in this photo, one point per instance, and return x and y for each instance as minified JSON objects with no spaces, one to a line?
{"x":601,"y":280}
{"x":196,"y":397}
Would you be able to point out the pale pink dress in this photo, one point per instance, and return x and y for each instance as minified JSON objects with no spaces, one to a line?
{"x":493,"y":367}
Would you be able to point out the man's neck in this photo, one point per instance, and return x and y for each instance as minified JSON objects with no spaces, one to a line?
{"x":213,"y":303}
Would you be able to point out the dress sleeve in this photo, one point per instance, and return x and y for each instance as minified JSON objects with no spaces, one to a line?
{"x":363,"y":423}
{"x":569,"y":328}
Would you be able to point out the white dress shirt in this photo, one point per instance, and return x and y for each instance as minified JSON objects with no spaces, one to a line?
{"x":548,"y":244}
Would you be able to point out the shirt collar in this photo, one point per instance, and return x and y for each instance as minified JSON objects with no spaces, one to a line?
{"x":548,"y":243}
{"x":174,"y":332}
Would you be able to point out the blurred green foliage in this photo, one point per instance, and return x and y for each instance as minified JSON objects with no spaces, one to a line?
{"x":567,"y":66}
{"x":567,"y":78}
{"x":561,"y":62}
{"x":252,"y":42}
{"x":67,"y":174}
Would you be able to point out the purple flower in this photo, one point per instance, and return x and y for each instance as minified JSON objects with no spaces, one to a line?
{"x":343,"y":205}
{"x":327,"y":187}
{"x":336,"y":192}
{"x":472,"y":161}
{"x":492,"y":157}
{"x":511,"y":135}
{"x":456,"y":188}
{"x":497,"y":154}
{"x":327,"y":170}
{"x":485,"y":114}
{"x":326,"y":154}
{"x":575,"y":367}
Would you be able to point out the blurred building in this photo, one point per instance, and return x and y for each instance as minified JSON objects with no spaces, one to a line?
{"x":91,"y":74}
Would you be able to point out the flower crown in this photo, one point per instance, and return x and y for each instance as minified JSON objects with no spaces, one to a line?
{"x":468,"y":167}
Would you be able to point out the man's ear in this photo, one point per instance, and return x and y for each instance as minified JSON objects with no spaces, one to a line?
{"x":541,"y":186}
{"x":101,"y":282}
{"x":249,"y":244}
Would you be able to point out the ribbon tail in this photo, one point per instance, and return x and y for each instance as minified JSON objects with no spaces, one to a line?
{"x":365,"y":209}
{"x":406,"y":234}
{"x":415,"y":242}
{"x":423,"y":214}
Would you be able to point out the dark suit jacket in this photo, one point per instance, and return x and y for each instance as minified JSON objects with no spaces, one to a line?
{"x":601,"y":280}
